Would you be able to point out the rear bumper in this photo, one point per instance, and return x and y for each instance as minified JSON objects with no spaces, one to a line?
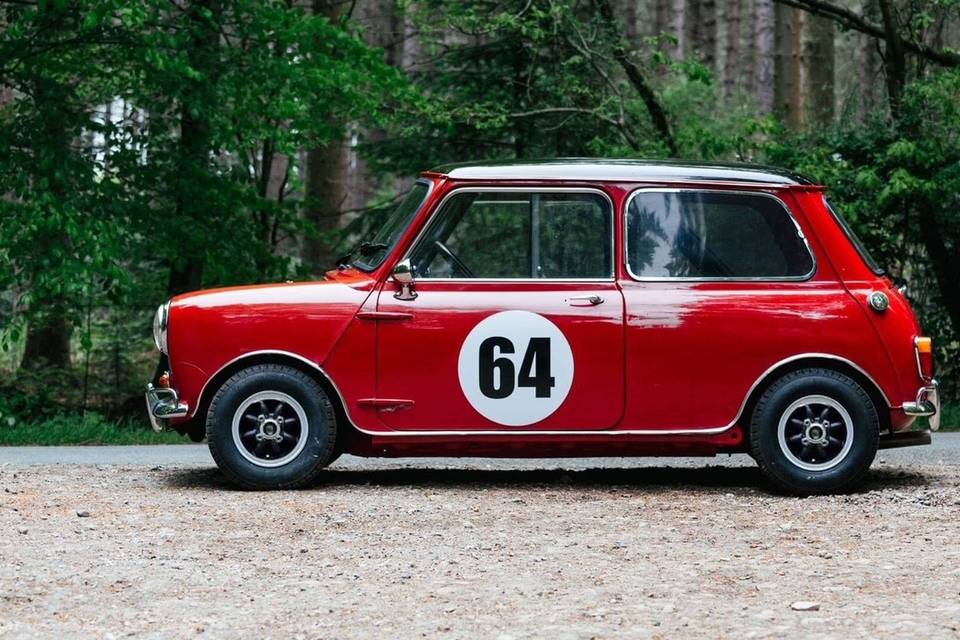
{"x":927,"y":405}
{"x":162,"y":404}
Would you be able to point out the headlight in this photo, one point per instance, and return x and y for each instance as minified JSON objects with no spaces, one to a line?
{"x":160,"y":326}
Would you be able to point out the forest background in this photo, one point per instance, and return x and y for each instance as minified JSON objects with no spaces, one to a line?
{"x":153,"y":147}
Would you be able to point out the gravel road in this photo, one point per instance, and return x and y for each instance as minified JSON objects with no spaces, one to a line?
{"x":149,"y":541}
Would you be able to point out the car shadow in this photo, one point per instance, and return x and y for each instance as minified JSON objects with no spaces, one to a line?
{"x":644,"y":478}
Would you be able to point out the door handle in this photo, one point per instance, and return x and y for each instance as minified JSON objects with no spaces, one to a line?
{"x":585,"y":301}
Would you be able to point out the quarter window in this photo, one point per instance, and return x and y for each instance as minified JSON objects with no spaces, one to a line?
{"x":713,"y":235}
{"x":518,"y":235}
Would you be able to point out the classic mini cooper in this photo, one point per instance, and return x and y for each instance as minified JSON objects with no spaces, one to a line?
{"x":564,"y":308}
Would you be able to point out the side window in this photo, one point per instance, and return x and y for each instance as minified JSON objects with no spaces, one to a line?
{"x":507,"y":234}
{"x":712,"y":234}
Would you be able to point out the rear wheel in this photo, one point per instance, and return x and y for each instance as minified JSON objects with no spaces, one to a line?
{"x":271,"y":427}
{"x":814,"y":431}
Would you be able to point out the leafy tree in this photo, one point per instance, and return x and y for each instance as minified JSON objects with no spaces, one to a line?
{"x":60,"y":228}
{"x":194,"y":177}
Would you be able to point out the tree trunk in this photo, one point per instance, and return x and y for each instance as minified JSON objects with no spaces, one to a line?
{"x":763,"y":58}
{"x":325,"y":192}
{"x":895,"y":58}
{"x":867,"y":72}
{"x":661,"y":17}
{"x":946,"y":263}
{"x":788,"y":98}
{"x":704,"y":32}
{"x":47,"y":344}
{"x":194,"y":147}
{"x":630,"y":20}
{"x":637,"y":79}
{"x":731,"y":63}
{"x":678,"y":27}
{"x":661,"y":27}
{"x":196,"y":140}
{"x":49,"y":329}
{"x":325,"y":181}
{"x":819,"y":58}
{"x":691,"y":27}
{"x":185,"y":277}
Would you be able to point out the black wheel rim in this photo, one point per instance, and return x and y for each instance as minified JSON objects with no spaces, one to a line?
{"x":815,"y":433}
{"x":270,"y":428}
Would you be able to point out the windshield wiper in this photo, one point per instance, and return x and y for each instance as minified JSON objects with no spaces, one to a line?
{"x":369,"y":248}
{"x":364,"y":249}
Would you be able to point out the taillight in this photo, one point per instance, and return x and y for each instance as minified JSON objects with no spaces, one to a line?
{"x":923,"y":347}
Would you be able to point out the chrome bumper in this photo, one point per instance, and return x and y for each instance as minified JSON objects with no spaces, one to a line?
{"x":162,"y":404}
{"x":927,"y":405}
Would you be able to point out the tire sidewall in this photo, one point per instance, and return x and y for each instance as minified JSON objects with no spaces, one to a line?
{"x":865,"y":432}
{"x":315,"y":454}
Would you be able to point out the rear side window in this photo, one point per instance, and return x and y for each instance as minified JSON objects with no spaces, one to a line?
{"x":518,"y":235}
{"x":855,"y":240}
{"x":713,"y":235}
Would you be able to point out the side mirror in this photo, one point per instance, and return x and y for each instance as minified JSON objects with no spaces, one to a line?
{"x":403,"y":274}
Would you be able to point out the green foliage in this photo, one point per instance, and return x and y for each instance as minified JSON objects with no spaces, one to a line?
{"x":540,"y":79}
{"x":141,"y":139}
{"x":530,"y":79}
{"x":274,"y":81}
{"x":211,"y":93}
{"x":59,"y":231}
{"x":88,"y":429}
{"x":951,"y":418}
{"x":894,"y":184}
{"x":195,"y":177}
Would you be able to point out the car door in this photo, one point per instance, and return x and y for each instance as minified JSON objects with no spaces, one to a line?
{"x":517,"y":321}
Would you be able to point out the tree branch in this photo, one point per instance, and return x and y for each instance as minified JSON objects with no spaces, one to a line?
{"x":896,"y":63}
{"x":636,"y":77}
{"x":850,"y":20}
{"x":620,"y":126}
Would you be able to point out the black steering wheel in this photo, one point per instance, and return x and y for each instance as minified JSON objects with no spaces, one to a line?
{"x":455,"y":262}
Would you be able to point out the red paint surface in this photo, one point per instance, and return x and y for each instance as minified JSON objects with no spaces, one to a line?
{"x":655,"y":356}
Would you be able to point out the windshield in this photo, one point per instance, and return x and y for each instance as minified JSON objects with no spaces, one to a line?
{"x":383,"y":242}
{"x":857,"y":243}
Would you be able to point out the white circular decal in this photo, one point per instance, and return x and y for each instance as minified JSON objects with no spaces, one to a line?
{"x":515,"y":368}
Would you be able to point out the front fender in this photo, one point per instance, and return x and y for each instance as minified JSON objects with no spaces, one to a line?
{"x":209,"y":329}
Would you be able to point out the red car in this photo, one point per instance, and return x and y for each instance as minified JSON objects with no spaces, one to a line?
{"x":564,"y":308}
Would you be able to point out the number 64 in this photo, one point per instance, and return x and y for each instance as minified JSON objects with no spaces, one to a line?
{"x":534,"y":369}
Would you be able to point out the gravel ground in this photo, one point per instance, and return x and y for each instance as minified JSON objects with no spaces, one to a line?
{"x":476,"y":549}
{"x":945,"y":449}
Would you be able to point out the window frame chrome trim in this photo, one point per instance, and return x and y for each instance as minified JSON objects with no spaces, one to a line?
{"x":494,"y":189}
{"x":626,"y":247}
{"x":430,"y":187}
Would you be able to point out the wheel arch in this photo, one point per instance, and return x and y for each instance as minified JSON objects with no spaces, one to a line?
{"x":270,"y":357}
{"x":819,"y":361}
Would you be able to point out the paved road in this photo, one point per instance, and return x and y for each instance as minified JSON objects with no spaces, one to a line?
{"x":944,"y":450}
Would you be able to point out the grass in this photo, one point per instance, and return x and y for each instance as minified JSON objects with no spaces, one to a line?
{"x":90,"y":429}
{"x":951,"y":418}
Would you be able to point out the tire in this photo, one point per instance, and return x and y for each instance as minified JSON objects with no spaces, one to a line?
{"x":271,"y":427}
{"x":795,"y":437}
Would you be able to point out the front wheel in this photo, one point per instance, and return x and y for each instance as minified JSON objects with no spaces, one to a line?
{"x":814,"y":431}
{"x":271,"y":427}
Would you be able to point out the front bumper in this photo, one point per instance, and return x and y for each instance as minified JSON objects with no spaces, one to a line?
{"x":927,"y":405}
{"x":162,"y":404}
